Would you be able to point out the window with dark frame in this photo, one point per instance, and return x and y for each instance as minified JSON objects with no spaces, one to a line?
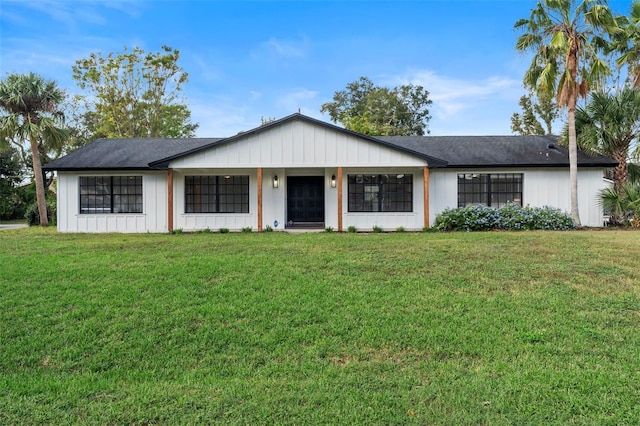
{"x":380,"y":193}
{"x":110,"y":194}
{"x":216,"y":194}
{"x":493,"y":190}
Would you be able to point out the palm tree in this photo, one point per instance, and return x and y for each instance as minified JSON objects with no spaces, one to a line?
{"x":609,"y":125}
{"x":565,"y":36}
{"x":624,"y":203}
{"x":626,"y":40}
{"x":32,"y":106}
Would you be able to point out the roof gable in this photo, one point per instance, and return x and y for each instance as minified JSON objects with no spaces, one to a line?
{"x":271,"y":145}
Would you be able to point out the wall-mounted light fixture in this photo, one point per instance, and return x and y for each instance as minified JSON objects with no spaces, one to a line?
{"x":333,"y":181}
{"x":276,"y":183}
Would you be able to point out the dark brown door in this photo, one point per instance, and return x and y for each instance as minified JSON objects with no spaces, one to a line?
{"x":305,"y":198}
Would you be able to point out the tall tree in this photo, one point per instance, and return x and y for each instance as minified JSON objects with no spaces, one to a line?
{"x":135,"y":94}
{"x":538,"y":115}
{"x":373,"y":110}
{"x":32,"y":106}
{"x":609,"y":125}
{"x":565,"y":37}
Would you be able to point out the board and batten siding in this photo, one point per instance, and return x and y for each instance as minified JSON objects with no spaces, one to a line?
{"x":298,"y":144}
{"x":154,"y":209}
{"x":541,"y":187}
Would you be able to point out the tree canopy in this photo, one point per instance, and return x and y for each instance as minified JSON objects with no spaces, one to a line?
{"x":373,"y":110}
{"x":134,"y":94}
{"x":538,"y":115}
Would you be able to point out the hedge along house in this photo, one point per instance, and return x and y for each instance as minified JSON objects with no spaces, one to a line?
{"x":302,"y":172}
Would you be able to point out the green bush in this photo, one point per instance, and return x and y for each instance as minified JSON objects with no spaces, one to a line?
{"x":268,"y":229}
{"x":400,"y":229}
{"x":509,"y":217}
{"x":33,"y":216}
{"x":328,"y":229}
{"x":352,"y":229}
{"x":377,"y":229}
{"x":224,"y":230}
{"x":246,"y":229}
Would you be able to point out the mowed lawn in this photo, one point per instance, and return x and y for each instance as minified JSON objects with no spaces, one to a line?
{"x":492,"y":328}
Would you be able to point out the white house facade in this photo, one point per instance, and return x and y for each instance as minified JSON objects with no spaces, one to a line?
{"x":301,"y":172}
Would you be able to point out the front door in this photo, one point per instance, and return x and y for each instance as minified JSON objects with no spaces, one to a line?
{"x":305,"y":199}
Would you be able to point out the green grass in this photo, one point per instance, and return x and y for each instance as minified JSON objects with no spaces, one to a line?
{"x":491,"y":328}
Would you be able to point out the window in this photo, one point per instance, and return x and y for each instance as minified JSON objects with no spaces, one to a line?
{"x":217,"y":194}
{"x":380,"y":193}
{"x":493,"y":190}
{"x":110,"y":194}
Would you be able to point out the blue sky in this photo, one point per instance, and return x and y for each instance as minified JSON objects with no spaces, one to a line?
{"x":248,"y":60}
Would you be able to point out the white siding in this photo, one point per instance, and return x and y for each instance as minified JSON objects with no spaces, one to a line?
{"x":541,"y":187}
{"x":298,"y":144}
{"x":154,"y":210}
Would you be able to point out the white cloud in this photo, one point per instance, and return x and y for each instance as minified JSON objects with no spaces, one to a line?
{"x":296,"y":99}
{"x":288,"y":48}
{"x":467,"y":106}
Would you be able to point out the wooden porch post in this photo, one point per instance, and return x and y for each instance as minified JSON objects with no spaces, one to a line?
{"x":170,"y":200}
{"x":426,"y":196}
{"x":259,"y":199}
{"x":339,"y":183}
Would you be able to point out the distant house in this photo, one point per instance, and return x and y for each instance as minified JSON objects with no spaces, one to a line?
{"x":298,"y":171}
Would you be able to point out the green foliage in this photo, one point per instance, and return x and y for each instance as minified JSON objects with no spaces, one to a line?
{"x":495,"y":328}
{"x":224,"y":230}
{"x":400,"y":229}
{"x":328,"y":229}
{"x":11,"y":175}
{"x":373,"y":110}
{"x":535,"y":108}
{"x":509,"y":217}
{"x":352,"y":229}
{"x":268,"y":228}
{"x":33,"y":217}
{"x":134,"y":94}
{"x":177,"y":231}
{"x":377,"y":229}
{"x":609,"y":125}
{"x":247,"y":229}
{"x":623,"y":204}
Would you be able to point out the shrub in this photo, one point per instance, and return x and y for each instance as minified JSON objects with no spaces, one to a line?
{"x":400,"y":229}
{"x":377,"y":229}
{"x":509,"y":217}
{"x":328,"y":229}
{"x":351,"y":229}
{"x":246,"y":229}
{"x":177,"y":231}
{"x":206,"y":230}
{"x":33,"y":216}
{"x":268,"y":229}
{"x":224,"y":230}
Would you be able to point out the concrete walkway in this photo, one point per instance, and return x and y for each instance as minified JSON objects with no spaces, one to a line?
{"x":4,"y":226}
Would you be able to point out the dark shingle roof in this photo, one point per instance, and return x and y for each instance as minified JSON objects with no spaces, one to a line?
{"x":437,"y":151}
{"x":126,"y":154}
{"x":496,"y":151}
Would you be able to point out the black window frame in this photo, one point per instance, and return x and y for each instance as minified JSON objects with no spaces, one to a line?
{"x":225,"y":194}
{"x":380,"y":193}
{"x":111,"y":194}
{"x":487,"y":189}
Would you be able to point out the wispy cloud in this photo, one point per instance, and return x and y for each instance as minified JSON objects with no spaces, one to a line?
{"x":276,"y":49}
{"x":296,"y":99}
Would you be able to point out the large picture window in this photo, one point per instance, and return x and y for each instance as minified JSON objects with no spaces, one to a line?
{"x":380,"y":193}
{"x":494,"y":190}
{"x":217,"y":194}
{"x":110,"y":194}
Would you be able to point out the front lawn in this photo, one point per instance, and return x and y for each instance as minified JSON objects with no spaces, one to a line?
{"x":494,"y":328}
